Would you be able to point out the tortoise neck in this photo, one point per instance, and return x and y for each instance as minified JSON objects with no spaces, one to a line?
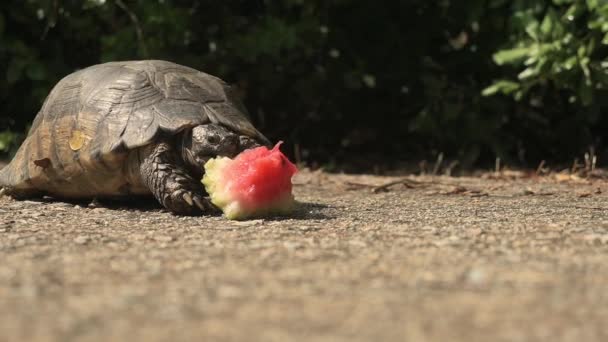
{"x":184,"y":143}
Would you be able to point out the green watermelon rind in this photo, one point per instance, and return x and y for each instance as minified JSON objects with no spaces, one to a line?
{"x":283,"y":206}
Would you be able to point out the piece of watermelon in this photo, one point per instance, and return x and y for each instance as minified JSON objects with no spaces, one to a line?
{"x":255,"y":183}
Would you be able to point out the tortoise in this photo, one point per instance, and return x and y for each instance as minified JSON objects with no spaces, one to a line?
{"x":124,"y":129}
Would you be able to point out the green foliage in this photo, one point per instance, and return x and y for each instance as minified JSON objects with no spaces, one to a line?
{"x":7,"y":140}
{"x":560,"y":44}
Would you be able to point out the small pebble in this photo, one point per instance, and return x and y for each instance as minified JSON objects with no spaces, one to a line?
{"x":94,"y":204}
{"x":596,"y":238}
{"x":292,"y":245}
{"x":164,"y":238}
{"x":82,"y":240}
{"x":476,"y":276}
{"x":248,"y":223}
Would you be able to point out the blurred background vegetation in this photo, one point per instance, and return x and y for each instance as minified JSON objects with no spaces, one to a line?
{"x":347,"y":82}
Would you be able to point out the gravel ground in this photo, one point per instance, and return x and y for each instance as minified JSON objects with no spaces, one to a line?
{"x":450,"y":259}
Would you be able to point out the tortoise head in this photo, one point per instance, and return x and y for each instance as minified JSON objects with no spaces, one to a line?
{"x":204,"y":142}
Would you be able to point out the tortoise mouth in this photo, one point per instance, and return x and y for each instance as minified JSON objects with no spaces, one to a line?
{"x":202,"y":161}
{"x":195,"y":157}
{"x":246,"y":142}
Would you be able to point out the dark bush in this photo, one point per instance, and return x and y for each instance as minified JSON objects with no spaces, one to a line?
{"x":351,"y":81}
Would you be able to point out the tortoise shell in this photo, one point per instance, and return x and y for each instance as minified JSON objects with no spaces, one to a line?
{"x":80,"y":141}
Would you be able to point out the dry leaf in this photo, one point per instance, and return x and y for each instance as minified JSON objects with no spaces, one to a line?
{"x":562,"y":177}
{"x":457,"y":190}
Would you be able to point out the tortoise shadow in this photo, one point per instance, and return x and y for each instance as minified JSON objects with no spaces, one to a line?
{"x":143,"y":203}
{"x":304,"y":211}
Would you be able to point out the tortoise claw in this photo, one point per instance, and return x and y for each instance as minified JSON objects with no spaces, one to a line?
{"x":206,"y":206}
{"x":199,"y":203}
{"x":188,"y":198}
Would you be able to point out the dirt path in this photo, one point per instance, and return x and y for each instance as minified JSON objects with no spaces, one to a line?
{"x":464,"y":260}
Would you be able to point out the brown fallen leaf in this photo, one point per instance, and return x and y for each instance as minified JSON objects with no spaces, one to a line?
{"x":357,"y":186}
{"x":480,"y":194}
{"x":562,"y":177}
{"x":408,"y":183}
{"x":457,"y":190}
{"x":530,"y":192}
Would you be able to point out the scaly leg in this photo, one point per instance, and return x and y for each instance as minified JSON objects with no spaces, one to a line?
{"x":164,"y":174}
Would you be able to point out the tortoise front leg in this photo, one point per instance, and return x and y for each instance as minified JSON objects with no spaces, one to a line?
{"x":163,"y":173}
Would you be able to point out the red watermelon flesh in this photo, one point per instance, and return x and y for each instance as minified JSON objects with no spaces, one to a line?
{"x":255,"y":183}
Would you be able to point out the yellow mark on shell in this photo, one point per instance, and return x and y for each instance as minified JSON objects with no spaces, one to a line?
{"x":76,"y":140}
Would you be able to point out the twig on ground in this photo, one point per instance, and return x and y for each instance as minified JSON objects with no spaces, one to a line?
{"x":575,"y":166}
{"x":358,"y":185}
{"x":530,"y":192}
{"x":590,"y":160}
{"x":453,"y":164}
{"x":540,"y":168}
{"x":590,"y":208}
{"x":438,"y":163}
{"x":480,"y":194}
{"x":422,"y":166}
{"x":457,"y":190}
{"x":462,"y":190}
{"x":408,"y":183}
{"x":297,"y":153}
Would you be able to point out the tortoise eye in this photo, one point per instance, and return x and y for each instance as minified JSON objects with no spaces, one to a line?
{"x":213,"y":139}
